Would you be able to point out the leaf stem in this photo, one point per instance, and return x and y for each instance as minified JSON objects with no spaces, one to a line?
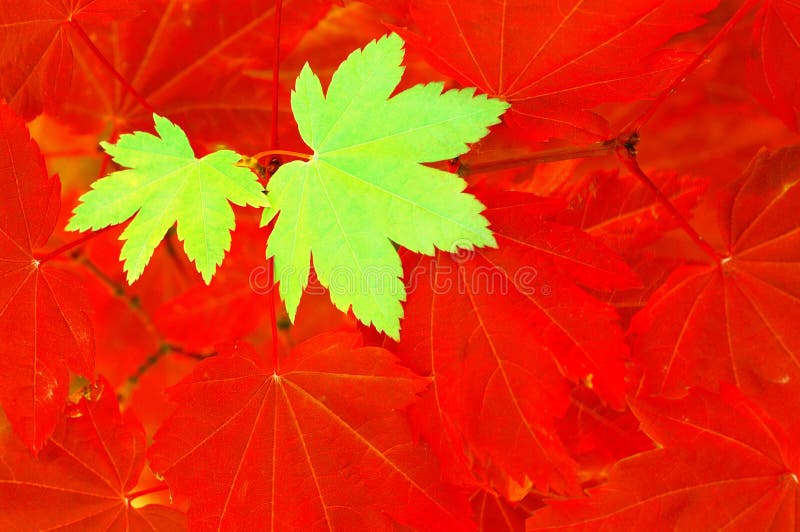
{"x":627,"y":157}
{"x":261,"y":155}
{"x":597,"y":149}
{"x":69,"y":245}
{"x":146,"y":491}
{"x":164,"y":349}
{"x":118,"y":291}
{"x":645,"y":117}
{"x":149,"y":362}
{"x":107,"y":64}
{"x":135,"y":307}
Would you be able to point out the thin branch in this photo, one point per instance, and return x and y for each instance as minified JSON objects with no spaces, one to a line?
{"x":70,"y":245}
{"x":148,"y":363}
{"x":597,"y":149}
{"x":165,"y":347}
{"x":628,"y":158}
{"x":118,"y":291}
{"x":261,"y":155}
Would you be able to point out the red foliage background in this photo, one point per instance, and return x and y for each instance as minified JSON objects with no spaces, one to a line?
{"x":627,"y":358}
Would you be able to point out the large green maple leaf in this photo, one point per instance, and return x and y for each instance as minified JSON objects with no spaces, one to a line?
{"x":165,"y":183}
{"x":364,"y":186}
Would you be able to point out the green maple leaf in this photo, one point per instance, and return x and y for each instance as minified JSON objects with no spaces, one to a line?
{"x":364,"y":186}
{"x":165,"y":183}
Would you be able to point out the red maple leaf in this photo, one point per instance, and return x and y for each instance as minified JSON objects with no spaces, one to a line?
{"x":735,"y":321}
{"x":318,"y":444}
{"x":487,"y":327}
{"x":513,"y":374}
{"x":722,"y":464}
{"x":83,"y":479}
{"x":44,"y":325}
{"x":555,"y":61}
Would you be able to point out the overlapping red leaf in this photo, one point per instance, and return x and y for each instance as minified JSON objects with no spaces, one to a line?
{"x":555,"y":61}
{"x":721,"y":464}
{"x":623,"y":213}
{"x":84,"y":475}
{"x":502,"y":331}
{"x":320,"y":443}
{"x":44,"y":328}
{"x":735,"y":321}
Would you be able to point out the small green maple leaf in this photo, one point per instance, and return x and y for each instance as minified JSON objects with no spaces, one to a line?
{"x":364,"y":186}
{"x":165,"y":183}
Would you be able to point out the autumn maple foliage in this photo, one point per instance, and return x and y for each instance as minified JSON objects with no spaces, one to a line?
{"x":387,"y":265}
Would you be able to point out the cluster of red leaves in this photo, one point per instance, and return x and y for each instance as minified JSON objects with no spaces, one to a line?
{"x":627,"y":358}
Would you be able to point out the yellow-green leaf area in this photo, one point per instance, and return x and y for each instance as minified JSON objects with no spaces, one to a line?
{"x":164,"y":183}
{"x":365,"y":186}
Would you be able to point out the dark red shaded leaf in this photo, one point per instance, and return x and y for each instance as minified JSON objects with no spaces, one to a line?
{"x":492,"y":513}
{"x":773,"y":70}
{"x":597,"y":436}
{"x":231,"y":306}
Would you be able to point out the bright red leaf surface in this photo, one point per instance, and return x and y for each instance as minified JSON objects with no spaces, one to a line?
{"x":555,"y":61}
{"x":487,"y":327}
{"x":44,"y":326}
{"x":85,"y":475}
{"x":318,"y":444}
{"x":722,"y":464}
{"x":736,"y":321}
{"x":774,"y":71}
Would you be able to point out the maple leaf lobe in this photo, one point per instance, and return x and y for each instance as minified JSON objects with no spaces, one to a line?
{"x":165,"y":183}
{"x":365,"y":188}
